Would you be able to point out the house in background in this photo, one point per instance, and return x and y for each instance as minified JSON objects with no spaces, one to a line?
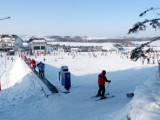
{"x":6,"y":42}
{"x":75,"y":50}
{"x":37,"y":45}
{"x":10,"y":42}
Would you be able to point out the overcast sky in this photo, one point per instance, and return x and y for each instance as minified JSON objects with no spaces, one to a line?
{"x":93,"y":18}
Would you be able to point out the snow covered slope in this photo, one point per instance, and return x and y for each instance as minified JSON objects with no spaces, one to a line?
{"x":23,"y":95}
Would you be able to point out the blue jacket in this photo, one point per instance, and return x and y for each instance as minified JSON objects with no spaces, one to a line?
{"x":41,"y":66}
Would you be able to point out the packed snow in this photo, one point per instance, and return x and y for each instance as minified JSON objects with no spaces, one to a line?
{"x":25,"y":97}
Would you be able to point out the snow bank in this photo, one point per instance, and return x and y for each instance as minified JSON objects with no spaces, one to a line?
{"x":146,"y":102}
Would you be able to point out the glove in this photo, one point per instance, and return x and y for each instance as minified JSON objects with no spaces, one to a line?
{"x":109,"y":81}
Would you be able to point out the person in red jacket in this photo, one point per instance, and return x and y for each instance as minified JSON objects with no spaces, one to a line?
{"x":101,"y":82}
{"x":33,"y":64}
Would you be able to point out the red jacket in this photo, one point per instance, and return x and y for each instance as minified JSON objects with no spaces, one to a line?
{"x":102,"y":78}
{"x":33,"y":63}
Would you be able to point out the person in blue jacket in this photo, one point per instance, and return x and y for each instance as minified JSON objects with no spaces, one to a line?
{"x":41,"y":67}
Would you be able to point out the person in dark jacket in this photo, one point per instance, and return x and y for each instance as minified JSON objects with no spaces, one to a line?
{"x":101,"y":83}
{"x":41,"y":67}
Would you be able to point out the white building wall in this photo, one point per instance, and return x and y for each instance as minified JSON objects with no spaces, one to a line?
{"x":38,"y":43}
{"x":18,"y":43}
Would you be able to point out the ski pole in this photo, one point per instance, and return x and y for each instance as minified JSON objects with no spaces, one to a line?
{"x":107,"y":88}
{"x":108,"y":85}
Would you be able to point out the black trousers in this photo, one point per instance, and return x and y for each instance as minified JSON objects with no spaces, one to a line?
{"x":41,"y":73}
{"x":101,"y":90}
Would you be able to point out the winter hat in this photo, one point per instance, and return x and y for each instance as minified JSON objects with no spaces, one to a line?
{"x":103,"y":72}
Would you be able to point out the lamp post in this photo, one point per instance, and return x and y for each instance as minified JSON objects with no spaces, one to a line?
{"x":3,"y":42}
{"x":5,"y":18}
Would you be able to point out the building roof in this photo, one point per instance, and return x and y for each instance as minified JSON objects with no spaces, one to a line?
{"x":37,"y":40}
{"x":8,"y":36}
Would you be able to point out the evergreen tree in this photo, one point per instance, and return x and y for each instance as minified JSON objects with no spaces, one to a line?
{"x":141,"y":26}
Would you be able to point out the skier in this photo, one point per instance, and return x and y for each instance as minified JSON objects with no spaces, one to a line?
{"x":41,"y":67}
{"x":101,"y":82}
{"x":148,"y":60}
{"x":12,"y":59}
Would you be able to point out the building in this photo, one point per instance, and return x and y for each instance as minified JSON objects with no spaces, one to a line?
{"x":37,"y":45}
{"x":75,"y":50}
{"x":10,"y":42}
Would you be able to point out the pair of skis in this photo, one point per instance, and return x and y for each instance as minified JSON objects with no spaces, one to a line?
{"x":107,"y":97}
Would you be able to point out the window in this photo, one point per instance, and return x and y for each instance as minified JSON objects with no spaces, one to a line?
{"x":36,"y":47}
{"x":42,"y":47}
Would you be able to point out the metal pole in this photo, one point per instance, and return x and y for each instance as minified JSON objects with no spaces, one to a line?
{"x":4,"y":54}
{"x":5,"y":18}
{"x":5,"y":59}
{"x":107,"y":86}
{"x":3,"y":42}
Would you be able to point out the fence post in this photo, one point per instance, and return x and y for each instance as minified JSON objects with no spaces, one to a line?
{"x":0,"y":85}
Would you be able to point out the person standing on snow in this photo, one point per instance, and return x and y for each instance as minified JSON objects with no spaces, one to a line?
{"x":33,"y":64}
{"x":101,"y":83}
{"x":41,"y":67}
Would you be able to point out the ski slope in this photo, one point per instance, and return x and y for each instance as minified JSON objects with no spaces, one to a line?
{"x":24,"y":96}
